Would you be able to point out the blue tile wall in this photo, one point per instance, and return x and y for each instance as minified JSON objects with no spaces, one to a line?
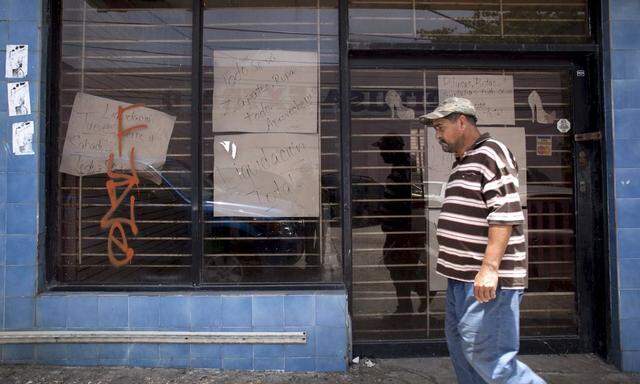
{"x":625,"y":73}
{"x":625,"y":9}
{"x":69,"y":311}
{"x":268,"y":311}
{"x":144,"y":312}
{"x":23,"y":307}
{"x":83,"y":313}
{"x":113,"y":312}
{"x":236,"y":311}
{"x":268,"y":364}
{"x":299,"y":364}
{"x":205,"y":313}
{"x":51,"y":312}
{"x":299,"y":310}
{"x":174,"y":313}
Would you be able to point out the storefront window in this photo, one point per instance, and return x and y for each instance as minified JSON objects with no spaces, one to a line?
{"x":271,"y":142}
{"x":477,"y":21}
{"x":124,"y":69}
{"x":270,"y":156}
{"x":399,"y":177}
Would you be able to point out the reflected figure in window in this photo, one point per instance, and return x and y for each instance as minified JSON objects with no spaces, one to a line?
{"x":401,"y":250}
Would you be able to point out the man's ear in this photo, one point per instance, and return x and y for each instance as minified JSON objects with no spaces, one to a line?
{"x":462,"y":119}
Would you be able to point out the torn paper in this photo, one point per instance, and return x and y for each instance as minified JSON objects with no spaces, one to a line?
{"x":92,"y":135}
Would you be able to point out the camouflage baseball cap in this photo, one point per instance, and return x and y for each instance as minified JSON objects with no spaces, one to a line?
{"x":449,"y":106}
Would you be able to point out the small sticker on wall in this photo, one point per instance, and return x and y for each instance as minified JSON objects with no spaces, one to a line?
{"x":563,"y":125}
{"x":18,"y":97}
{"x":23,"y":138}
{"x":16,"y":61}
{"x":543,"y":146}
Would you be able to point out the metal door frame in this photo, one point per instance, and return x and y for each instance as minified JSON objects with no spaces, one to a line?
{"x":590,"y":304}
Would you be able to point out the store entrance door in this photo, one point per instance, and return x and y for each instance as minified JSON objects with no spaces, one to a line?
{"x":399,"y":174}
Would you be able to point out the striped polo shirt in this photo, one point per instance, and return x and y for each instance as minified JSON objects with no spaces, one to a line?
{"x":482,"y":190}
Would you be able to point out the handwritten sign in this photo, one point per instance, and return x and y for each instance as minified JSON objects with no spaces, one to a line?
{"x":265,"y":91}
{"x":492,"y":95}
{"x":266,"y":175}
{"x":95,"y":127}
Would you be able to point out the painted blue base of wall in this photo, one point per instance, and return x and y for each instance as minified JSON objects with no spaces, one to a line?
{"x":323,"y":316}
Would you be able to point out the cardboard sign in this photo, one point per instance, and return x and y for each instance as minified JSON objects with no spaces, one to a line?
{"x":92,"y":136}
{"x":265,"y":91}
{"x":266,"y":175}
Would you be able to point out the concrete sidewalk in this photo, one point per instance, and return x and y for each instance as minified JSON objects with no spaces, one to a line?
{"x":556,"y":369}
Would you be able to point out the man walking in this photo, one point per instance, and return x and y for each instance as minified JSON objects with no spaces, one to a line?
{"x":481,"y":250}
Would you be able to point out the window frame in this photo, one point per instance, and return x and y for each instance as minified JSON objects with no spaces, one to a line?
{"x":53,"y":9}
{"x":347,"y":51}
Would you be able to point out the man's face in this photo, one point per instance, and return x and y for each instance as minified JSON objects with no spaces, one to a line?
{"x":448,"y":133}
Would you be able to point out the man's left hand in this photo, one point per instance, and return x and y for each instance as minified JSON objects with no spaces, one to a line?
{"x":485,"y":284}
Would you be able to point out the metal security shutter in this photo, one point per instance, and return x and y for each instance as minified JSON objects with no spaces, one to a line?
{"x":394,"y":222}
{"x":276,"y":249}
{"x":131,"y":54}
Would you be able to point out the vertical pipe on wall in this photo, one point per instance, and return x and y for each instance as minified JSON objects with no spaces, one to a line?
{"x":345,"y":146}
{"x":196,"y":143}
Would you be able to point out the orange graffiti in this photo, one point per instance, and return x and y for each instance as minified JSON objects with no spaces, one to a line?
{"x":123,"y":132}
{"x":119,"y":180}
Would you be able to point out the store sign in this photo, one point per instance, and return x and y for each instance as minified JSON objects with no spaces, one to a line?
{"x":265,"y":91}
{"x":97,"y":129}
{"x":266,"y":175}
{"x":492,"y":95}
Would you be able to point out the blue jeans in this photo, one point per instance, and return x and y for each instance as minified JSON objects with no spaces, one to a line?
{"x":483,"y":338}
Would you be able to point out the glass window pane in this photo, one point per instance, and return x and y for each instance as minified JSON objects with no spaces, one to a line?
{"x":509,"y":21}
{"x":271,"y":150}
{"x":399,"y":172}
{"x":134,"y":56}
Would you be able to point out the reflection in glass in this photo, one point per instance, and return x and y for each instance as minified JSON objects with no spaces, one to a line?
{"x":470,"y":21}
{"x":137,"y":55}
{"x":401,"y":249}
{"x":273,"y":66}
{"x":399,"y":175}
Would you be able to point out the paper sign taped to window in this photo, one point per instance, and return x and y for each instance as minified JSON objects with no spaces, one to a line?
{"x":492,"y":95}
{"x":92,"y":135}
{"x":266,"y":175}
{"x":544,"y":146}
{"x":265,"y":91}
